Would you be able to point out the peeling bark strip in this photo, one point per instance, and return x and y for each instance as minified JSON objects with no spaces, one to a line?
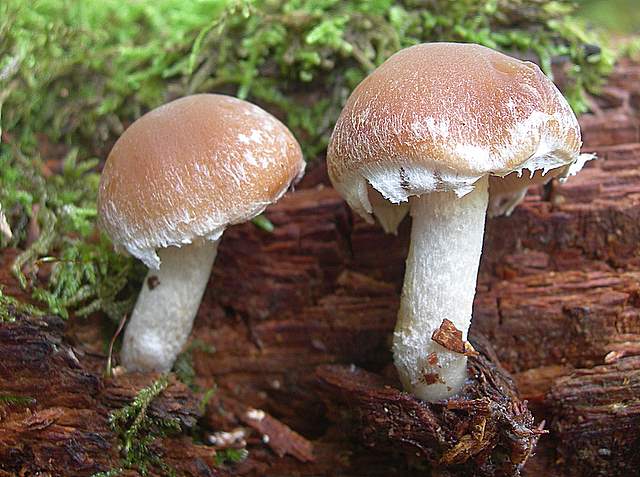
{"x":268,"y":431}
{"x":486,"y":431}
{"x":277,"y":436}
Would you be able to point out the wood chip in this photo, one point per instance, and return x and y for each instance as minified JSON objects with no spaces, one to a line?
{"x":278,"y":436}
{"x":449,"y":337}
{"x":432,"y":378}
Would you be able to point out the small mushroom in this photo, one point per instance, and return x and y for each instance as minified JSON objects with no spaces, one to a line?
{"x":172,"y":183}
{"x":444,"y":131}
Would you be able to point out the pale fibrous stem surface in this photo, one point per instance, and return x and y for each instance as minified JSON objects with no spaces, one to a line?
{"x":166,"y":307}
{"x":439,"y":283}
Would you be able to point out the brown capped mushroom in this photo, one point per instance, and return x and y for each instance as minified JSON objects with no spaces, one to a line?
{"x":444,"y":130}
{"x":172,"y":183}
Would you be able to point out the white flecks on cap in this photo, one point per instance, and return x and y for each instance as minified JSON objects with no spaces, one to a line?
{"x":191,"y":168}
{"x":397,"y":184}
{"x":437,"y":117}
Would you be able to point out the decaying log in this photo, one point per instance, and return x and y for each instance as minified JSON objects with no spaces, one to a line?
{"x":558,"y":287}
{"x":558,"y":299}
{"x":55,"y":406}
{"x":562,"y":318}
{"x":484,"y":431}
{"x":597,"y":418}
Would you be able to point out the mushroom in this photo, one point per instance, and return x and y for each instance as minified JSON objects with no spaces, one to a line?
{"x":434,"y":131}
{"x":172,"y":183}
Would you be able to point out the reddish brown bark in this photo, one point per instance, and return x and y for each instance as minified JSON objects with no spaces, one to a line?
{"x":61,"y":427}
{"x":596,"y":415}
{"x":483,"y":431}
{"x":558,"y":299}
{"x":558,"y":288}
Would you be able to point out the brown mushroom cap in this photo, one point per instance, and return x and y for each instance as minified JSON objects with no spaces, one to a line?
{"x":439,"y":116}
{"x":190,"y":168}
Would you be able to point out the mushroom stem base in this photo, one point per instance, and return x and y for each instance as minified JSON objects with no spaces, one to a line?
{"x":440,"y":283}
{"x":166,"y":307}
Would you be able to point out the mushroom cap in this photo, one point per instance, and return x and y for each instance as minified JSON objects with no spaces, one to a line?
{"x":190,"y":168}
{"x":438,"y":116}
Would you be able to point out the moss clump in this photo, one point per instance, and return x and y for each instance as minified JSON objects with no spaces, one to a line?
{"x":183,"y":367}
{"x":109,"y":473}
{"x":631,"y":49}
{"x":69,"y":85}
{"x":12,"y":400}
{"x":10,"y":307}
{"x":230,"y":456}
{"x":69,"y":77}
{"x":56,"y":213}
{"x":137,"y":430}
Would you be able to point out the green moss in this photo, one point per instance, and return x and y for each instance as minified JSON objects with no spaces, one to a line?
{"x":206,"y":397}
{"x":77,"y":81}
{"x":85,"y":274}
{"x":137,"y":430}
{"x":74,"y":73}
{"x":631,"y":49}
{"x":183,"y":367}
{"x":109,"y":473}
{"x":11,"y":307}
{"x":230,"y":456}
{"x":13,"y":400}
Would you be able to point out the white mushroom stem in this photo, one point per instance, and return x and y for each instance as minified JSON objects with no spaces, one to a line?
{"x":439,"y":283}
{"x":168,"y":302}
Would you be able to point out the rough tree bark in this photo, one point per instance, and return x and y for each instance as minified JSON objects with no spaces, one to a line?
{"x":483,"y":430}
{"x":60,"y":424}
{"x":558,"y":299}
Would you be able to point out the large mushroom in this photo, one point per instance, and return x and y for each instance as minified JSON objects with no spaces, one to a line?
{"x":445,"y":131}
{"x":172,"y":183}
